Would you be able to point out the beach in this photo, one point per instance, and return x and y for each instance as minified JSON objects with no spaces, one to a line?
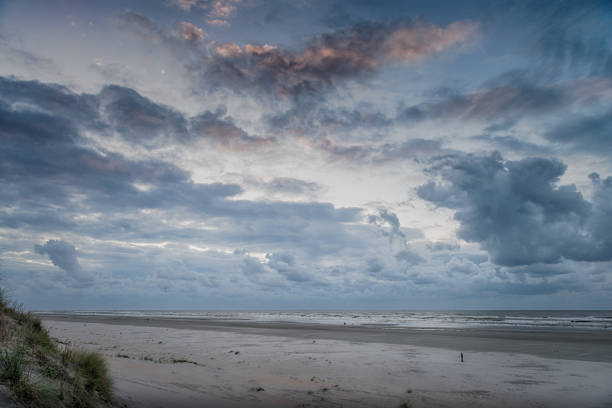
{"x":157,"y":362}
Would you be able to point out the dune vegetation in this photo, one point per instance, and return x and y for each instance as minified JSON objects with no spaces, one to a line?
{"x":41,"y":371}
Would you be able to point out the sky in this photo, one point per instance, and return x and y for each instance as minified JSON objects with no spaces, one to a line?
{"x":306,"y":154}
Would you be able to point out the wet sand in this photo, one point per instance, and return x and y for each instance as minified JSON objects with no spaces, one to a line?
{"x":160,"y":362}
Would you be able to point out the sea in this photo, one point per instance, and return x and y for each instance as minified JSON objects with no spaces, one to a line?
{"x":439,"y":319}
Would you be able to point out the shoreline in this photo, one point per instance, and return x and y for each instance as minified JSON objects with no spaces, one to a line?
{"x":580,"y":345}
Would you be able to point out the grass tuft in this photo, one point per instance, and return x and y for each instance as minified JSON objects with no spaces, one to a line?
{"x":13,"y":364}
{"x":94,"y":372}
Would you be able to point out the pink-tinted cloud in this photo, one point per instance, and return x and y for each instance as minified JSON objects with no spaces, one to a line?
{"x":217,"y":11}
{"x":330,"y":58}
{"x":223,"y":8}
{"x":192,"y":33}
{"x":184,"y":4}
{"x":218,"y":22}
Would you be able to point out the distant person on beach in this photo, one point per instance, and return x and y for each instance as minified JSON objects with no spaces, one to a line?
{"x":462,"y":357}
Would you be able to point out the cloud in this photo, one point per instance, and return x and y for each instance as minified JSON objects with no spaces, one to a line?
{"x":184,"y":4}
{"x":388,"y":222}
{"x":584,"y":133}
{"x":55,"y":177}
{"x":221,"y":130}
{"x":285,"y":265}
{"x":113,"y":72}
{"x":217,"y":11}
{"x":24,"y":57}
{"x":513,"y":143}
{"x":330,"y":59}
{"x":565,"y":40}
{"x":540,"y":270}
{"x":285,"y":185}
{"x":191,"y":32}
{"x":222,"y":8}
{"x":218,"y":22}
{"x":64,"y":256}
{"x":124,"y":112}
{"x":368,"y":152}
{"x":442,"y":246}
{"x":139,"y":119}
{"x":530,"y":288}
{"x":516,"y":211}
{"x":320,"y":120}
{"x":509,"y":96}
{"x":410,"y":257}
{"x":182,"y":37}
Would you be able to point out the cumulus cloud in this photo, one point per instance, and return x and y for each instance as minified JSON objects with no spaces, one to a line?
{"x":191,"y":32}
{"x":330,"y":58}
{"x":64,"y":256}
{"x":285,"y":265}
{"x":518,"y":213}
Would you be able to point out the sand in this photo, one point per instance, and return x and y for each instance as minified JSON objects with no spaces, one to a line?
{"x":163,"y":363}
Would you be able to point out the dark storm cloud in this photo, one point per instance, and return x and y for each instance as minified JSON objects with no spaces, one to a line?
{"x":138,"y":118}
{"x":52,"y":175}
{"x":118,"y":109}
{"x":42,"y":158}
{"x":591,"y":134}
{"x":516,"y":211}
{"x":52,"y":99}
{"x":64,"y":256}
